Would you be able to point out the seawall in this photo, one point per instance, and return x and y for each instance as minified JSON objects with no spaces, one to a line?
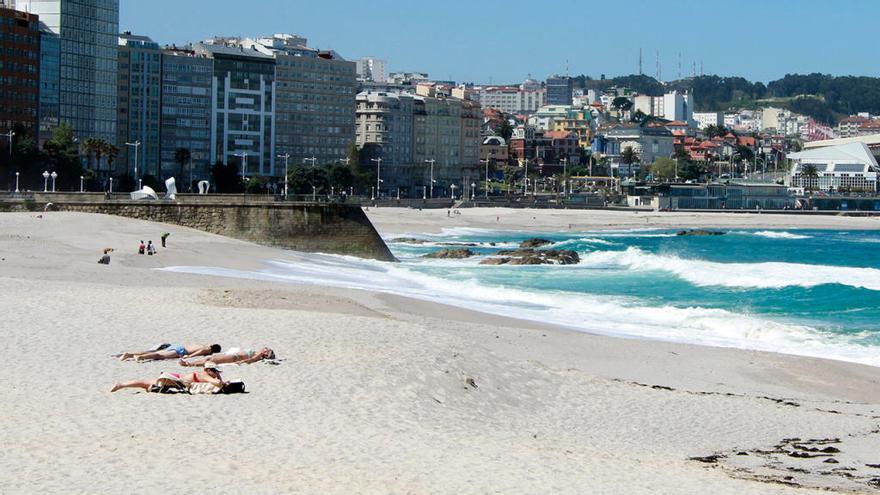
{"x":311,"y":227}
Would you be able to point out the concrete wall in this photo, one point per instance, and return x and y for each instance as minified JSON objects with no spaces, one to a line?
{"x":309,"y":227}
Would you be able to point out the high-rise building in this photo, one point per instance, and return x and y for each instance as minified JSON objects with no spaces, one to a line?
{"x":88,"y":36}
{"x":315,"y":101}
{"x":559,"y":90}
{"x":526,"y":98}
{"x":50,"y":82}
{"x":140,"y":75}
{"x":385,"y":131}
{"x":243,"y":107}
{"x":186,"y":114}
{"x":19,"y":71}
{"x":371,"y":69}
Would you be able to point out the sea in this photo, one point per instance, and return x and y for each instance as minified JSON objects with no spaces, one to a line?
{"x":802,"y":292}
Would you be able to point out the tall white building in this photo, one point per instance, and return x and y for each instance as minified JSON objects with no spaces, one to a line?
{"x":528,"y":97}
{"x":371,"y":69}
{"x":705,"y":119}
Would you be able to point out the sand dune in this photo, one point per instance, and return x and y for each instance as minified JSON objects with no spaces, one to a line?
{"x":380,"y":394}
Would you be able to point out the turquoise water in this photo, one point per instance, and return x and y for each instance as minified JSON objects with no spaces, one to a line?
{"x":805,"y":292}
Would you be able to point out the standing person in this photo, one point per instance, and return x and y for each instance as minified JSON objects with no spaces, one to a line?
{"x":165,"y":236}
{"x":142,"y":248}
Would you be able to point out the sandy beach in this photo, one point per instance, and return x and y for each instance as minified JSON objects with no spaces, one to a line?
{"x":380,"y":394}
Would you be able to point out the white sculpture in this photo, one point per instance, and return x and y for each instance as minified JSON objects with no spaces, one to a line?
{"x":171,"y":189}
{"x":146,"y":192}
{"x":204,"y":186}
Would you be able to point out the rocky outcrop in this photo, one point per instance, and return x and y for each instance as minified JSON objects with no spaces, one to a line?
{"x":534,"y":257}
{"x":534,"y":243}
{"x":699,"y":232}
{"x":408,"y":240}
{"x":450,"y":254}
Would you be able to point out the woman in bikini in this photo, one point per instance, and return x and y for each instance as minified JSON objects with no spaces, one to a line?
{"x":234,"y":356}
{"x":174,"y":351}
{"x":210,"y":374}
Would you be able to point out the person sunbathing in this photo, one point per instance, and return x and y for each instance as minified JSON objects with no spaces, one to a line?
{"x":209,"y":374}
{"x":234,"y":356}
{"x":174,"y":351}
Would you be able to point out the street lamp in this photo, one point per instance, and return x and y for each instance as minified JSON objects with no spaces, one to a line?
{"x":564,"y":176}
{"x":9,"y":136}
{"x":452,"y":187}
{"x":54,"y":176}
{"x":487,"y":175}
{"x":432,"y":161}
{"x":136,"y":145}
{"x":81,"y":183}
{"x":286,"y":157}
{"x":378,"y":175}
{"x":111,"y":185}
{"x":244,"y":156}
{"x":16,"y":182}
{"x":46,"y":181}
{"x":474,"y":191}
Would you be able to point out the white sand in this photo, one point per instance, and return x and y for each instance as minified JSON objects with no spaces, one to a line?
{"x":374,"y":393}
{"x":398,"y":221}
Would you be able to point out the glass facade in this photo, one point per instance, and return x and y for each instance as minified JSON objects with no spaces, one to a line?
{"x":50,"y":83}
{"x":316,"y":108}
{"x":88,"y":31}
{"x":139,"y":106}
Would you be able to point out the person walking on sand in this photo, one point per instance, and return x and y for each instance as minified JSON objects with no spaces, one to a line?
{"x":142,"y":249}
{"x":209,"y":374}
{"x":233,"y":356}
{"x":174,"y":351}
{"x":165,"y":236}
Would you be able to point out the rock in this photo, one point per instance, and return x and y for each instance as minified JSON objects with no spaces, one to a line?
{"x":495,"y":261}
{"x":450,"y":254}
{"x":534,"y":243}
{"x":537,"y":257}
{"x":699,"y":232}
{"x":408,"y":240}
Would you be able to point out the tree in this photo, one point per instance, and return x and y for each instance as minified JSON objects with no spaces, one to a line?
{"x":60,"y":154}
{"x":90,"y":146}
{"x":340,"y":177}
{"x":226,"y":178}
{"x":622,"y":103}
{"x":629,"y":156}
{"x":664,"y":169}
{"x":181,"y":158}
{"x":111,"y":152}
{"x":809,"y":174}
{"x":716,"y":131}
{"x":690,"y":170}
{"x":504,"y":130}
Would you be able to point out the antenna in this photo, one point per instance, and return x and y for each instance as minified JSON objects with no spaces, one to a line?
{"x":641,"y":73}
{"x":659,"y":67}
{"x":679,"y":65}
{"x":566,"y":68}
{"x":701,"y":68}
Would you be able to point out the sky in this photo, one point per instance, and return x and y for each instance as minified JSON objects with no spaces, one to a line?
{"x":505,"y":41}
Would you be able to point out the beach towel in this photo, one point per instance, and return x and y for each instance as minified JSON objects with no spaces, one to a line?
{"x":203,"y":389}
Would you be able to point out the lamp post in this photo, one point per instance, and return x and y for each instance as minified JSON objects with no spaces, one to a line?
{"x":432,"y":161}
{"x":81,"y":183}
{"x":452,"y":187}
{"x":136,"y":145}
{"x":526,"y":180}
{"x":378,"y":175}
{"x":46,"y":181}
{"x":16,"y":181}
{"x":474,"y":192}
{"x":424,"y":192}
{"x":486,"y":161}
{"x":244,"y":156}
{"x":564,"y":177}
{"x":111,"y":185}
{"x":9,"y":136}
{"x":54,"y":176}
{"x":286,"y":157}
{"x":312,"y":159}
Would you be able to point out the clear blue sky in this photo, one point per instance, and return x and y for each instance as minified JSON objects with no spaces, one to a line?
{"x":505,"y":40}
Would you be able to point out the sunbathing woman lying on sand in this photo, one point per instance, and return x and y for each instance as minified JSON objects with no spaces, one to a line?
{"x":174,"y":351}
{"x":234,"y":356}
{"x":210,"y":374}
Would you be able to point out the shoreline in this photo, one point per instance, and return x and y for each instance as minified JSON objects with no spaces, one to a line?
{"x":397,"y":221}
{"x":374,"y":387}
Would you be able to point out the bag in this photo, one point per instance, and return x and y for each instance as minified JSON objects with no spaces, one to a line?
{"x":235,"y":387}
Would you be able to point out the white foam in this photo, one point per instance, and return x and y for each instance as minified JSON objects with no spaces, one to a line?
{"x":596,"y":314}
{"x":773,"y":234}
{"x":768,"y":275}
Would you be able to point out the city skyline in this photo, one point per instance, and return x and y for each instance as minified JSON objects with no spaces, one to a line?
{"x":504,"y":51}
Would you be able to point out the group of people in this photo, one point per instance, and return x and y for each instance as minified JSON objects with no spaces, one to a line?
{"x":149,"y":248}
{"x":207,"y":357}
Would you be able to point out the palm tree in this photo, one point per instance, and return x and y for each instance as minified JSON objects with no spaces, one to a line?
{"x":90,"y":146}
{"x":182,"y":157}
{"x":100,"y":149}
{"x":808,"y":174}
{"x":111,"y":152}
